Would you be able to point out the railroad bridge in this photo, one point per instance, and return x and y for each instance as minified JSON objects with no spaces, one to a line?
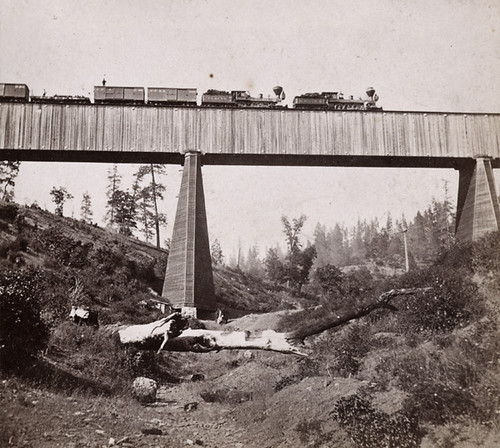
{"x":468,"y":142}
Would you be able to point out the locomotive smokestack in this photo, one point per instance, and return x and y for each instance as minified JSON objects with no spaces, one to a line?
{"x":278,"y":90}
{"x":370,"y":91}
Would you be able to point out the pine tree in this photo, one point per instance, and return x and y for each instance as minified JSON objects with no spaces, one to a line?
{"x":358,"y":242}
{"x":59,"y":197}
{"x":253,"y":264}
{"x":337,"y":247}
{"x":145,"y":214}
{"x":86,"y":208}
{"x":114,"y":180}
{"x":274,"y":267}
{"x":321,"y":242}
{"x":8,"y":173}
{"x":125,"y":212}
{"x":216,"y":252}
{"x":151,"y":194}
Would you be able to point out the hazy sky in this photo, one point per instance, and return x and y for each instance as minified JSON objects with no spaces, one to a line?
{"x":419,"y":55}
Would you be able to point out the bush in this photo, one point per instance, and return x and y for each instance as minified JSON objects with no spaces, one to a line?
{"x":372,"y":429}
{"x":22,"y":331}
{"x":8,"y":211}
{"x":349,"y":351}
{"x":436,"y":404}
{"x":61,"y":248}
{"x":453,"y":300}
{"x":486,"y":260}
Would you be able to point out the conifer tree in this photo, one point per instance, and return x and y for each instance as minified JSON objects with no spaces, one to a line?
{"x":150,"y":195}
{"x":86,"y":208}
{"x":216,"y":252}
{"x":253,"y":264}
{"x":114,"y":182}
{"x":274,"y":266}
{"x":59,"y":197}
{"x":125,"y":212}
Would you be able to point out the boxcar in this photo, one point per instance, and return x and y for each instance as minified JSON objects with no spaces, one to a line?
{"x":14,"y":92}
{"x":166,"y":96}
{"x":129,"y":95}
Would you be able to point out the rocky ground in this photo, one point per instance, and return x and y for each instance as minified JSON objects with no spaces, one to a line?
{"x":239,"y":399}
{"x":180,"y":417}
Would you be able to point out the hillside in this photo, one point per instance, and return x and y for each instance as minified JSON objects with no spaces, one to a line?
{"x":88,"y":265}
{"x":424,"y":375}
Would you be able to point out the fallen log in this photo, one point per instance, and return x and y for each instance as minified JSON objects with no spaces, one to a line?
{"x":382,"y":302}
{"x":170,"y":333}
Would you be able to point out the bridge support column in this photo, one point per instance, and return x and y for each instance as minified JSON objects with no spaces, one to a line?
{"x":478,"y":211}
{"x":189,"y":283}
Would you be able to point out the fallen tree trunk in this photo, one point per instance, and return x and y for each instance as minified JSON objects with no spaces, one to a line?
{"x":382,"y":302}
{"x":169,"y":333}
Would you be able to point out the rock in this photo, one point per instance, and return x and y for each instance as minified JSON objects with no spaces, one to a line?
{"x":144,"y":389}
{"x":111,"y":441}
{"x":197,"y":377}
{"x":152,"y":431}
{"x":248,"y":354}
{"x":191,"y":406}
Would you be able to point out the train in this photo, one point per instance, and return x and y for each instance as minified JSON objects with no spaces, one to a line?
{"x":336,"y":101}
{"x":188,"y":97}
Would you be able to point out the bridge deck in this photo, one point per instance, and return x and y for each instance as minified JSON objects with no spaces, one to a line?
{"x":98,"y":132}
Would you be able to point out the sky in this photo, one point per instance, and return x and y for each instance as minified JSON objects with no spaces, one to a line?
{"x":439,"y":55}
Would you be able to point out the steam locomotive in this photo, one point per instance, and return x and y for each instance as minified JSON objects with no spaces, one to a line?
{"x":336,"y":101}
{"x":166,"y":96}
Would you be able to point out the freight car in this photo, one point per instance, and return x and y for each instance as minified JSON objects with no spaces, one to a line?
{"x":14,"y":92}
{"x":336,"y":101}
{"x":168,"y":96}
{"x":129,"y":95}
{"x":61,"y":99}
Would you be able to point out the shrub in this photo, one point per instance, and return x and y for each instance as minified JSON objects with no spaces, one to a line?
{"x":486,"y":260}
{"x":62,"y":248}
{"x":373,"y":429}
{"x":8,"y":211}
{"x":436,"y":404}
{"x":22,"y":331}
{"x":353,"y":345}
{"x":95,"y":353}
{"x":453,"y":300}
{"x":9,"y":248}
{"x":309,"y":431}
{"x":329,"y":278}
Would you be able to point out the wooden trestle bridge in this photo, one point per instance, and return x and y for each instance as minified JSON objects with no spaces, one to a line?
{"x":468,"y":142}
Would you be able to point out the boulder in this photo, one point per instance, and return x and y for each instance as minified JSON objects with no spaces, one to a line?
{"x":144,"y":389}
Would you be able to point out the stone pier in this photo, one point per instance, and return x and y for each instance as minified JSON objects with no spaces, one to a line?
{"x":189,"y":284}
{"x":478,"y":211}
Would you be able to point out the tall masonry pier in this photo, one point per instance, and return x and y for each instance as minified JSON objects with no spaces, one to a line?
{"x":478,"y":209}
{"x":189,"y":283}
